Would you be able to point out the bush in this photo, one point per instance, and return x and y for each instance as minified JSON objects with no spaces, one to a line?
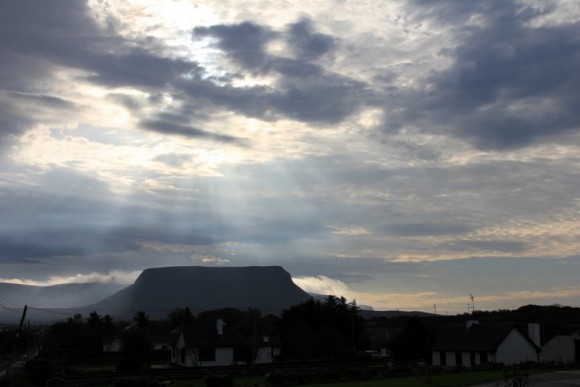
{"x":138,"y":382}
{"x":219,"y":381}
{"x":129,"y":365}
{"x":39,"y":370}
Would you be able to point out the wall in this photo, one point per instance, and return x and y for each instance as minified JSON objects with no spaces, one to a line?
{"x":515,"y":349}
{"x":560,"y":349}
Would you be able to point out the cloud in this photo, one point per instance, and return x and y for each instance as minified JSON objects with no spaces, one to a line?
{"x":167,"y":127}
{"x":244,"y":43}
{"x":113,"y":276}
{"x":423,"y":229}
{"x":323,"y":285}
{"x":505,"y":246}
{"x":307,"y":44}
{"x":301,"y":91}
{"x":510,"y":83}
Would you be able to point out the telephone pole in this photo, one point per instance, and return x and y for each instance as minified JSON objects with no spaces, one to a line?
{"x":11,"y":359}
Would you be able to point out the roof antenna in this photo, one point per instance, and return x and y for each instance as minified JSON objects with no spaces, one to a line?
{"x":472,"y":306}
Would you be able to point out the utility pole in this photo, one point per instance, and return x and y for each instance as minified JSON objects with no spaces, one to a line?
{"x":16,"y":341}
{"x":435,"y":308}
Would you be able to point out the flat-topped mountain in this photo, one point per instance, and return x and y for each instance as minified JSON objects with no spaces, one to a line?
{"x":268,"y":288}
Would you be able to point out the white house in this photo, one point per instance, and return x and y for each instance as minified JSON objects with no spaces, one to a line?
{"x":562,"y":349}
{"x":266,"y":350}
{"x":206,"y":346}
{"x":474,"y":344}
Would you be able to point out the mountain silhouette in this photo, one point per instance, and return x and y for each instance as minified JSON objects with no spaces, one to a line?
{"x":159,"y":290}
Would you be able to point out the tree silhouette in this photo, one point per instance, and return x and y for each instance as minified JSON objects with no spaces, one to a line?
{"x":141,"y":319}
{"x":321,"y":330}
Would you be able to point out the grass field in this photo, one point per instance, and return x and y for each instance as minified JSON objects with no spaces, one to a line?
{"x":448,"y":380}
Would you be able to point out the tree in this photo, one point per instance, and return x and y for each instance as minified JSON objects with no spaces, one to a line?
{"x":321,"y":330}
{"x":180,"y":316}
{"x":414,"y":341}
{"x":94,"y":321}
{"x":141,"y":319}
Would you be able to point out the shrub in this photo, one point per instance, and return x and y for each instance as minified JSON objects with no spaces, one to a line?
{"x":39,"y":370}
{"x":129,"y":365}
{"x":219,"y":381}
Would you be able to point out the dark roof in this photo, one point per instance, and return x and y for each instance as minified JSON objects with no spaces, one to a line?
{"x":203,"y":335}
{"x":478,"y":338}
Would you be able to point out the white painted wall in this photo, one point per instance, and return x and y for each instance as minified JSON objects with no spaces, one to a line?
{"x":466,"y":359}
{"x":515,"y":349}
{"x":450,"y":356}
{"x":560,"y":349}
{"x":265,"y":355}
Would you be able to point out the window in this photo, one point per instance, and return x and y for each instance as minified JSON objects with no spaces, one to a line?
{"x":458,"y":359}
{"x":472,"y":359}
{"x":442,"y":358}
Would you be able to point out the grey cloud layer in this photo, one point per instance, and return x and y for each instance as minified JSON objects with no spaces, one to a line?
{"x":510,"y":84}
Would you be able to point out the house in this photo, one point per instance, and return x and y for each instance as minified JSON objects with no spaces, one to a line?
{"x":473,"y":344}
{"x":562,"y":349}
{"x":205,"y":346}
{"x":267,"y":349}
{"x":161,"y":343}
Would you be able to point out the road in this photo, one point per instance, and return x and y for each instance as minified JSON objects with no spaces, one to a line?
{"x":554,"y":379}
{"x":16,"y":366}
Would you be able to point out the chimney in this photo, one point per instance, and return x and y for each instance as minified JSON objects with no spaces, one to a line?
{"x":219,"y":325}
{"x":471,"y":323}
{"x":534,"y":333}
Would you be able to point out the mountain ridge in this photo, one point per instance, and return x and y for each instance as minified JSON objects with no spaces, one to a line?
{"x":268,"y":288}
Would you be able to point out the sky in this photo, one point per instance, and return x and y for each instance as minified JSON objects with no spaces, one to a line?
{"x":406,"y":154}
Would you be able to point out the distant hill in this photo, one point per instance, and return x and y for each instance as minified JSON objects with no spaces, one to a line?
{"x":158,"y":290}
{"x":368,"y":314}
{"x":55,"y":296}
{"x":58,"y":299}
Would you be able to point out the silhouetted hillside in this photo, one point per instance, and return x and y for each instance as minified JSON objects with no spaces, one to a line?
{"x":49,"y":303}
{"x":158,"y":290}
{"x":55,"y":296}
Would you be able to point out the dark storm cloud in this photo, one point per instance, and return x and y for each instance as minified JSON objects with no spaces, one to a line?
{"x":68,"y":240}
{"x":510,"y":83}
{"x":244,"y":43}
{"x":137,"y":68}
{"x":304,"y":91}
{"x":168,"y":127}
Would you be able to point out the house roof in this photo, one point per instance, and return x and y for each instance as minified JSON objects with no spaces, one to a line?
{"x":477,"y":338}
{"x":204,"y":335}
